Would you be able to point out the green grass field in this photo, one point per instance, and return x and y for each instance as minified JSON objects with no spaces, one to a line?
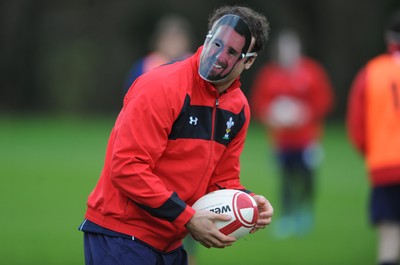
{"x":49,"y":166}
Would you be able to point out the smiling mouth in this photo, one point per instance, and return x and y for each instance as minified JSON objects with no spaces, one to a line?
{"x":217,"y":66}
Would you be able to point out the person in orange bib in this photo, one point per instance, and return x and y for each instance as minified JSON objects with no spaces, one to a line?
{"x":373,"y":123}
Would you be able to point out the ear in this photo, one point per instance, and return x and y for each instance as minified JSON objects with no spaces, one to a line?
{"x":250,"y":62}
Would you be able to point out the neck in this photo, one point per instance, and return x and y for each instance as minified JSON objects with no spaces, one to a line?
{"x":221,"y":88}
{"x":222,"y":85}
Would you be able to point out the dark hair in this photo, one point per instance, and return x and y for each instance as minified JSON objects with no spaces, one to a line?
{"x":392,"y":28}
{"x":394,"y":22}
{"x":258,"y":23}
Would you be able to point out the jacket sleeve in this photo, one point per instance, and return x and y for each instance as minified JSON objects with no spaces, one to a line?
{"x":227,"y":173}
{"x":141,"y":136}
{"x":355,"y":119}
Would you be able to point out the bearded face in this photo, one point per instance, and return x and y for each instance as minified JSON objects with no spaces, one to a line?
{"x":226,"y":44}
{"x":221,"y":52}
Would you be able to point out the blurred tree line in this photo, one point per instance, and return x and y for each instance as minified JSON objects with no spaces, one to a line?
{"x":73,"y":56}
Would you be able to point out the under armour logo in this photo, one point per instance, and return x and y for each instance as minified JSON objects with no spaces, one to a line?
{"x":193,"y":120}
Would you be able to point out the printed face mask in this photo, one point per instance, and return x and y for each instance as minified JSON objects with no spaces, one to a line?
{"x":226,"y":44}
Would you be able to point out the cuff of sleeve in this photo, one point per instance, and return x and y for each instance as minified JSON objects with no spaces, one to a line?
{"x":185,"y":216}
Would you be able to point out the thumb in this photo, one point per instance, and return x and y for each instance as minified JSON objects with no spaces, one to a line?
{"x":260,"y":200}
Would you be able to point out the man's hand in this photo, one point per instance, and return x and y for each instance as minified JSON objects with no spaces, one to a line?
{"x":265,"y":212}
{"x":202,"y":228}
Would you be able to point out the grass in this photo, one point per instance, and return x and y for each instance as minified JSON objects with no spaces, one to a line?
{"x":342,"y":234}
{"x":50,"y":165}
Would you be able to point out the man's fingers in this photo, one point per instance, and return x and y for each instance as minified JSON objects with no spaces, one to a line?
{"x":221,"y":217}
{"x":217,"y":240}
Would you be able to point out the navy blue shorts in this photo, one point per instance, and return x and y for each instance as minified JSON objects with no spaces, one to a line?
{"x":385,"y":204}
{"x":110,"y":250}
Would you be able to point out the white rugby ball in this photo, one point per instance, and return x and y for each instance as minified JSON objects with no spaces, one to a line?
{"x":239,"y":205}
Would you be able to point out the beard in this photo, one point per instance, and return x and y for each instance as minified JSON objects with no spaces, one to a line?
{"x":212,"y":69}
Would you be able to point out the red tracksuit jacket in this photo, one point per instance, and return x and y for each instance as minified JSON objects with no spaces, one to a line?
{"x":174,"y":140}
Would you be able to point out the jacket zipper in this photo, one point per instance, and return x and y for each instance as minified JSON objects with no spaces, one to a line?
{"x":213,"y":118}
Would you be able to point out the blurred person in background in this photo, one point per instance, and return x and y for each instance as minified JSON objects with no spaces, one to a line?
{"x":179,"y":135}
{"x":291,"y":97}
{"x":171,"y":40}
{"x":373,"y":123}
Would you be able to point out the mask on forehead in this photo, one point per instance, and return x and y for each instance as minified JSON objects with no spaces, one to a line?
{"x":226,"y":44}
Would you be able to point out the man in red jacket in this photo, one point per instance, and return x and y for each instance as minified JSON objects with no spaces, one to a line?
{"x":170,"y":145}
{"x":373,"y":122}
{"x":291,"y":96}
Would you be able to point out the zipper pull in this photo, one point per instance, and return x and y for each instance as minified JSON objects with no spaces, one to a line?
{"x":217,"y":102}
